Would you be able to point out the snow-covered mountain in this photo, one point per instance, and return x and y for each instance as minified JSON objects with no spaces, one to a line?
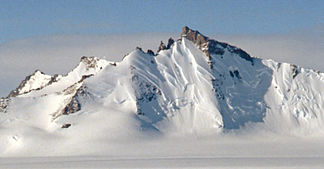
{"x":191,"y":85}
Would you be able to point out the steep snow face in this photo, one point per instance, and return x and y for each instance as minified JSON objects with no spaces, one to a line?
{"x":240,"y":86}
{"x":239,"y":81}
{"x":174,"y":91}
{"x":286,"y":97}
{"x":295,"y":99}
{"x":163,"y":93}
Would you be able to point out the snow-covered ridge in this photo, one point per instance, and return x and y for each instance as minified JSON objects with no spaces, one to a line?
{"x":211,"y":46}
{"x":191,"y":85}
{"x":88,"y":66}
{"x":36,"y":81}
{"x":65,"y":85}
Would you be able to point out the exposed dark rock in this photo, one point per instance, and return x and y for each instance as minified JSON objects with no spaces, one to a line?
{"x":73,"y":103}
{"x":140,"y":49}
{"x":214,"y":47}
{"x":150,"y":52}
{"x":139,"y":111}
{"x":4,"y":104}
{"x":295,"y":70}
{"x":210,"y":46}
{"x":83,"y":58}
{"x":194,"y":36}
{"x":125,"y":56}
{"x":231,"y":73}
{"x":279,"y":65}
{"x":145,"y":92}
{"x":90,"y":62}
{"x":161,"y":47}
{"x":85,"y":77}
{"x":217,"y":83}
{"x":210,"y":63}
{"x":54,"y":78}
{"x":67,"y":125}
{"x":114,"y":64}
{"x":72,"y":107}
{"x":237,"y":74}
{"x":170,"y":43}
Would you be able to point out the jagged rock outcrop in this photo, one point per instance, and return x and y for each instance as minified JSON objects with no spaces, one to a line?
{"x":209,"y":46}
{"x":150,"y":52}
{"x":75,"y":104}
{"x":90,"y":62}
{"x":295,"y":70}
{"x":161,"y":47}
{"x":168,"y":46}
{"x":64,"y":126}
{"x":170,"y":43}
{"x":54,"y":78}
{"x":4,"y":104}
{"x":73,"y":94}
{"x":194,"y":36}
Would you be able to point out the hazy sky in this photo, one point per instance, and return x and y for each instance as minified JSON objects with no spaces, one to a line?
{"x":25,"y":18}
{"x":52,"y":35}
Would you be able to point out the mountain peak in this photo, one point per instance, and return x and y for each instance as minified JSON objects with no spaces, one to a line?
{"x":211,"y":46}
{"x":35,"y":81}
{"x":194,"y":36}
{"x":37,"y":71}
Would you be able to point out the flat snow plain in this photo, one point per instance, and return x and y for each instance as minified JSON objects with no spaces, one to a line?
{"x":161,"y":162}
{"x":200,"y":152}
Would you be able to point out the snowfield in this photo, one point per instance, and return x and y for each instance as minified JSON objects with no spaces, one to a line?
{"x":196,"y":103}
{"x":186,"y":152}
{"x":100,"y":162}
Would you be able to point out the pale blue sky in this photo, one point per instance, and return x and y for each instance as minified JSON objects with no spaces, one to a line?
{"x":52,"y":35}
{"x":29,"y":18}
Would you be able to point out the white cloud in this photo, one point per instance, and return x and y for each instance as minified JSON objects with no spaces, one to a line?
{"x":60,"y":53}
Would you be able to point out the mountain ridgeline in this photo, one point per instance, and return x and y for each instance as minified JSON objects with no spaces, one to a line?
{"x":193,"y":84}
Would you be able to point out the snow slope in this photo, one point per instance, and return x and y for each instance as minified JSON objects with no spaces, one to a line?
{"x":194,"y":87}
